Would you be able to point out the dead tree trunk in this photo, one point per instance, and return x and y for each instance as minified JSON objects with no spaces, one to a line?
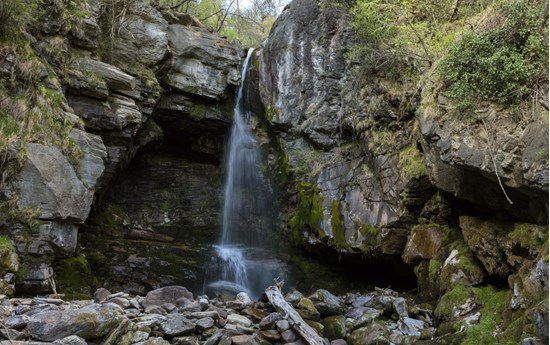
{"x":307,"y":333}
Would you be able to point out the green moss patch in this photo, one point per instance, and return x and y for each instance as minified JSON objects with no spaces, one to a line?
{"x":338,"y":230}
{"x":74,"y":277}
{"x":412,"y":162}
{"x":309,"y":213}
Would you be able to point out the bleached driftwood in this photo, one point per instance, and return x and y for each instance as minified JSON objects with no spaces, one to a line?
{"x":298,"y":324}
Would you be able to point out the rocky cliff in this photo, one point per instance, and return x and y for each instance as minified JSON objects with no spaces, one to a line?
{"x":107,"y":87}
{"x":383,"y":168}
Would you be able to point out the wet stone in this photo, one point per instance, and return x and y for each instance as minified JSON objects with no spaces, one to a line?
{"x":268,"y":321}
{"x":205,"y":323}
{"x":282,"y":325}
{"x":289,"y":336}
{"x":271,"y":335}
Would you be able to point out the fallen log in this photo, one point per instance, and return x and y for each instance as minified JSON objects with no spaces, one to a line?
{"x":298,"y":324}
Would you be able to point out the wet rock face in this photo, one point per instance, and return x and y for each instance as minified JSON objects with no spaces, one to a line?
{"x":303,"y":70}
{"x":314,"y":98}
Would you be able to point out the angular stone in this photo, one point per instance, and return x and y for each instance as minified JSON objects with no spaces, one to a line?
{"x":168,"y":294}
{"x":176,"y":325}
{"x":94,"y":152}
{"x":400,"y":307}
{"x":90,"y":322}
{"x":143,"y":40}
{"x":205,"y":323}
{"x":202,"y":63}
{"x":268,"y":321}
{"x":370,"y":335}
{"x":16,"y":321}
{"x":271,"y":335}
{"x":335,"y":327}
{"x":48,"y":183}
{"x":116,"y":79}
{"x":190,"y":340}
{"x":282,"y":325}
{"x":237,"y":319}
{"x":289,"y":336}
{"x":243,"y":340}
{"x":307,"y":310}
{"x":71,"y":340}
{"x":326,"y":303}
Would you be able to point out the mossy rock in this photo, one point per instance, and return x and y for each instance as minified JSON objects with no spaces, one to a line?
{"x":446,"y":308}
{"x":9,"y":261}
{"x":74,"y":277}
{"x":309,"y":213}
{"x":334,"y":327}
{"x":461,"y":268}
{"x":426,"y":273}
{"x":307,"y":310}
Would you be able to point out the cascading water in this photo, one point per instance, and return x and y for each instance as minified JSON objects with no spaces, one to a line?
{"x":246,"y":264}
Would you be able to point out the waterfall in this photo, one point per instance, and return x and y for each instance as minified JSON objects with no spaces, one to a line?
{"x":245,"y":262}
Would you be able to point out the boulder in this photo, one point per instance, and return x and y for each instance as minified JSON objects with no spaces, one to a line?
{"x":168,"y":294}
{"x":374,"y":334}
{"x":334,"y":327}
{"x":90,"y":322}
{"x":425,"y":242}
{"x":49,"y":184}
{"x":326,"y":303}
{"x":143,"y":41}
{"x":176,"y":325}
{"x":202,"y":64}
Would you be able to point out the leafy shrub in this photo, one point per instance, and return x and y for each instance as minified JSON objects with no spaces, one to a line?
{"x":500,"y":64}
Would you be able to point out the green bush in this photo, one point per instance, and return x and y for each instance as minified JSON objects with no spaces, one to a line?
{"x":500,"y":64}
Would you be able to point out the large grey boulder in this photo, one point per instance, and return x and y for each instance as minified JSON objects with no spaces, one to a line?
{"x":90,"y":322}
{"x":49,"y":184}
{"x":142,"y":38}
{"x":201,"y":64}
